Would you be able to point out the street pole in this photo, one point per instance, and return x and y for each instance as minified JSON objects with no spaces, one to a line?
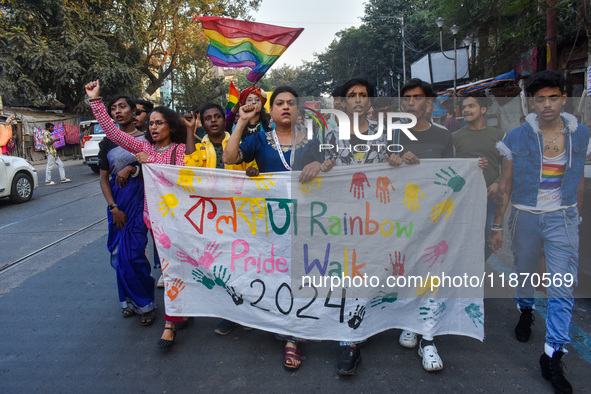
{"x":454,"y":30}
{"x":403,"y":51}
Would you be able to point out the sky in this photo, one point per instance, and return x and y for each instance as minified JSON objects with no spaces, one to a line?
{"x":321,"y":20}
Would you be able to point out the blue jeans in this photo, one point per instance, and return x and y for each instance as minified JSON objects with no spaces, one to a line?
{"x":557,"y":232}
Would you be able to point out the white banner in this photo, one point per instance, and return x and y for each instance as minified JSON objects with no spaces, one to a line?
{"x":360,"y":250}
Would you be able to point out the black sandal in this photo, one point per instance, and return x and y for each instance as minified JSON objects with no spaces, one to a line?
{"x":148,"y":318}
{"x":128,"y":312}
{"x":165,"y":343}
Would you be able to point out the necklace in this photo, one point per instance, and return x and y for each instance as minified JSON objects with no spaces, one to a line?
{"x":561,"y":132}
{"x":162,"y":149}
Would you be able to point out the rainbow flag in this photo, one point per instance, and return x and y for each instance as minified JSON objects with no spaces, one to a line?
{"x":234,"y":43}
{"x":233,"y":97}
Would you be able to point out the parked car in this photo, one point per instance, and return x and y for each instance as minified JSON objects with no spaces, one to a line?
{"x":18,"y":178}
{"x":91,"y":134}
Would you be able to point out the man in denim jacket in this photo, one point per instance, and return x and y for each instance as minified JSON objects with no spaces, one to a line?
{"x":542,"y":175}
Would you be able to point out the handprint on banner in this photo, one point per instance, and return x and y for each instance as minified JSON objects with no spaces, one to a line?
{"x":426,"y":286}
{"x":263,"y":181}
{"x":185,"y":180}
{"x":162,"y":180}
{"x":411,"y":197}
{"x":384,"y":299}
{"x":444,"y":208}
{"x":358,"y":185}
{"x":202,"y":278}
{"x":237,"y":184}
{"x":383,"y":189}
{"x":174,"y":290}
{"x":357,"y":318}
{"x":475,"y":314}
{"x":161,"y":237}
{"x":185,"y":258}
{"x":306,"y":187}
{"x":211,"y":181}
{"x":398,"y":265}
{"x":238,"y":300}
{"x":434,"y":253}
{"x":208,"y":257}
{"x":432,"y":311}
{"x":166,"y":203}
{"x":451,"y":180}
{"x":220,"y":276}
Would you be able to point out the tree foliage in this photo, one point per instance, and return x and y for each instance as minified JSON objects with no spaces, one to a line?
{"x":50,"y":48}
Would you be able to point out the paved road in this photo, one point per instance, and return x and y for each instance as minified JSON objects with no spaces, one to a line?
{"x":61,"y":329}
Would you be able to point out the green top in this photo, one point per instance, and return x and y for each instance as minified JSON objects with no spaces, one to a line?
{"x":481,"y":143}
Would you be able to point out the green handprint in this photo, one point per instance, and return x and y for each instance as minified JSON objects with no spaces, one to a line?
{"x":384,"y":298}
{"x":433,"y":310}
{"x":453,"y":180}
{"x":411,"y":196}
{"x":220,"y":276}
{"x":203,"y":279}
{"x":475,"y":314}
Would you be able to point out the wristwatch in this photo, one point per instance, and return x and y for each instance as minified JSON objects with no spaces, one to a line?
{"x":111,"y":206}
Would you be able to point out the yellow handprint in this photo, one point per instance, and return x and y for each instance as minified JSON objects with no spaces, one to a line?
{"x":306,"y":187}
{"x":427,"y":286}
{"x":167,"y":201}
{"x":411,"y":197}
{"x":441,"y":209}
{"x":263,"y":180}
{"x":186,"y":179}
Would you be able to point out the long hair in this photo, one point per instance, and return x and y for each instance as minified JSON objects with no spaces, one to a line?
{"x":178,"y":131}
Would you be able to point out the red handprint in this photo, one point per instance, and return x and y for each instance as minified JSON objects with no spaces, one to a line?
{"x":398,"y":266}
{"x":382,"y":189}
{"x":161,"y":237}
{"x":175,"y":289}
{"x":162,"y":180}
{"x":357,"y":185}
{"x":435,"y":252}
{"x":208,"y":255}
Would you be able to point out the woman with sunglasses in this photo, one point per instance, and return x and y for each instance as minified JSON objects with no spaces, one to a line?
{"x":165,"y":145}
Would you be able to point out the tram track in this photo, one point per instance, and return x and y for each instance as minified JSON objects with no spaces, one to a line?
{"x":4,"y":268}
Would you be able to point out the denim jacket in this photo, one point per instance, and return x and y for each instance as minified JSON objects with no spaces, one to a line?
{"x":524,"y":145}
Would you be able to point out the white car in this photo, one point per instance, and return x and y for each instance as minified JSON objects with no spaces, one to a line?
{"x":18,"y":178}
{"x":91,"y":136}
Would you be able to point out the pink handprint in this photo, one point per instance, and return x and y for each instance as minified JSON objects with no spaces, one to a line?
{"x":161,"y":237}
{"x":208,"y":255}
{"x":185,"y":258}
{"x":162,"y":180}
{"x":237,"y":183}
{"x":435,"y":252}
{"x":357,"y":185}
{"x":398,"y":266}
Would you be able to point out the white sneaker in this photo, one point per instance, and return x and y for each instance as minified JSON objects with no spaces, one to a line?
{"x":160,"y":283}
{"x":408,"y":339}
{"x":431,"y":360}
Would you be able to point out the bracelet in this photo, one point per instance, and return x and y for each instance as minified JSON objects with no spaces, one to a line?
{"x":90,"y":100}
{"x":137,"y":171}
{"x":496,"y":229}
{"x":113,"y":206}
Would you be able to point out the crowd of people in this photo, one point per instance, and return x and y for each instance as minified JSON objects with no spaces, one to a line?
{"x":537,"y":167}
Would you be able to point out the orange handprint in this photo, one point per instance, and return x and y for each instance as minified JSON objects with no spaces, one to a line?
{"x":174,"y":290}
{"x":382,"y":189}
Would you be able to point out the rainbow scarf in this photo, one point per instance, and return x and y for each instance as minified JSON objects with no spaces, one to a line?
{"x":232,"y":98}
{"x":234,"y":43}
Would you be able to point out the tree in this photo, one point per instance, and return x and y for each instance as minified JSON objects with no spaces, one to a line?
{"x":50,"y":49}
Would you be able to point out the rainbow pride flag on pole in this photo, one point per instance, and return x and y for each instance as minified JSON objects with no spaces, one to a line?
{"x":234,"y":43}
{"x":233,"y":97}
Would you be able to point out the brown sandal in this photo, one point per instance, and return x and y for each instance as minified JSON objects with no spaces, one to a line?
{"x":148,"y":318}
{"x":291,"y":355}
{"x":128,"y":312}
